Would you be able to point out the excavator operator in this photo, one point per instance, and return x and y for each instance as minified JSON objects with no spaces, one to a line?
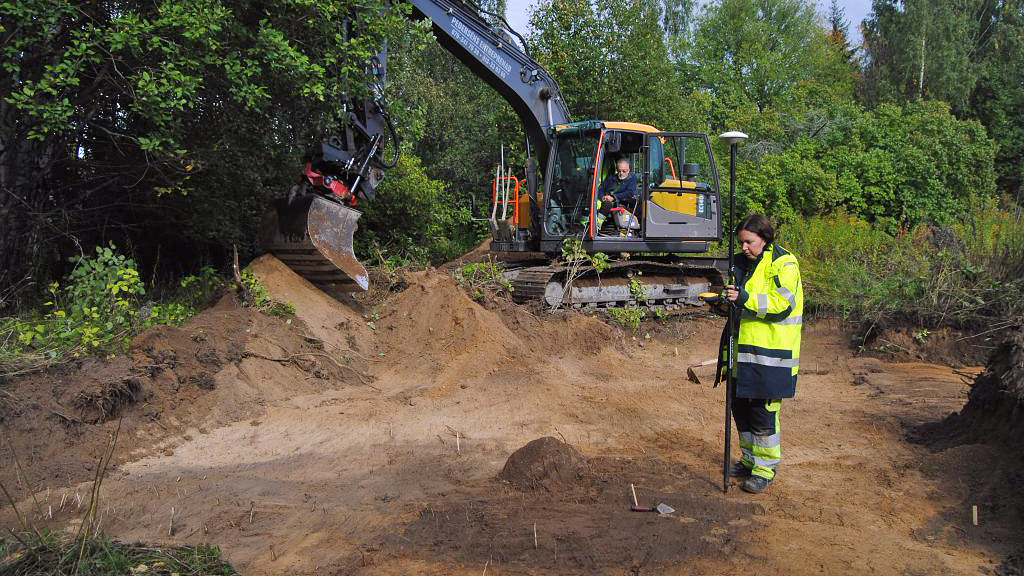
{"x":619,"y":187}
{"x":618,"y":191}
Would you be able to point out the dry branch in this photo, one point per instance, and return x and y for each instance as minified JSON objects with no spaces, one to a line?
{"x":291,"y":360}
{"x":238,"y":276}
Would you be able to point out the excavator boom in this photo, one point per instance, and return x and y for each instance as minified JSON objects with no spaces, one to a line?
{"x":312,"y":229}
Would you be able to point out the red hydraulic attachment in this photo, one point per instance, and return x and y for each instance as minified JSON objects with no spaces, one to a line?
{"x":335,"y":185}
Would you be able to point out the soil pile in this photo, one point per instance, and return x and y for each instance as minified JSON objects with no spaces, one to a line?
{"x":948,"y":346}
{"x":545,"y":463}
{"x":433,"y":331}
{"x":339,"y":327}
{"x":995,"y":407}
{"x":225,"y":364}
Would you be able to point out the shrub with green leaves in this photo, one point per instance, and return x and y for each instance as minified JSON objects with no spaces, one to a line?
{"x":475,"y":277}
{"x":412,"y":217}
{"x":964,"y":276}
{"x":96,"y":309}
{"x":628,"y":317}
{"x":96,"y":306}
{"x":895,"y":166}
{"x":574,"y":254}
{"x":637,"y":291}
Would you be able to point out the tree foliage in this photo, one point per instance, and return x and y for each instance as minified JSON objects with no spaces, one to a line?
{"x":922,"y":49}
{"x":412,"y":218}
{"x":611,"y":60}
{"x":766,"y":54}
{"x":966,"y":53}
{"x":998,"y":97}
{"x":894,"y":166}
{"x":163,"y":123}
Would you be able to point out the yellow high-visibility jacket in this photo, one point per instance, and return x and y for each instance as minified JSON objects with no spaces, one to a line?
{"x":771,"y":307}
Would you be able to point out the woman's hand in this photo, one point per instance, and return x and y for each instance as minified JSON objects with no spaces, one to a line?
{"x":731,"y":293}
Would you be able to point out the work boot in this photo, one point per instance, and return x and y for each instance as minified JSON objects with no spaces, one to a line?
{"x":739,"y":470}
{"x":756,"y":484}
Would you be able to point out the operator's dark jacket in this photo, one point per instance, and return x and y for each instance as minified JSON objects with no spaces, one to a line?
{"x":621,"y":190}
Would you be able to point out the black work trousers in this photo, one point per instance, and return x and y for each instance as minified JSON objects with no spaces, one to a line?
{"x":757,"y":420}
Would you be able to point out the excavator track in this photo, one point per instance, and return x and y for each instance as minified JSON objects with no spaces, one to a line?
{"x":659,"y":285}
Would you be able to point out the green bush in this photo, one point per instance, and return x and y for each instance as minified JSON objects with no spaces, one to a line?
{"x":97,"y":305}
{"x":637,"y":291}
{"x":97,"y":309}
{"x":965,"y":276}
{"x":413,"y":218}
{"x":628,"y":317}
{"x":475,"y":277}
{"x":850,"y":267}
{"x":893,"y":166}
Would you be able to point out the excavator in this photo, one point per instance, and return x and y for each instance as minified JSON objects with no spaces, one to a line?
{"x":656,"y":236}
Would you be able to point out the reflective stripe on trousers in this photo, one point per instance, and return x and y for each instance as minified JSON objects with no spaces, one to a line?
{"x":761,"y":452}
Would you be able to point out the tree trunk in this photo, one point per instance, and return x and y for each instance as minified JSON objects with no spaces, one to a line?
{"x":920,"y":77}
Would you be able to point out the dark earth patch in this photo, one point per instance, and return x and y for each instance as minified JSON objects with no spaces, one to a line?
{"x":581,"y":527}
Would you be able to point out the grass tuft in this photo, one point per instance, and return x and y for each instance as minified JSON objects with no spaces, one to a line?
{"x":55,"y":554}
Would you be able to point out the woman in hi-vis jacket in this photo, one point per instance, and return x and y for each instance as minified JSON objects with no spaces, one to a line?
{"x":770,"y":302}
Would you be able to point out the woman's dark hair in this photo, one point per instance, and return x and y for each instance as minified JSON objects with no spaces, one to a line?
{"x":758,"y":224}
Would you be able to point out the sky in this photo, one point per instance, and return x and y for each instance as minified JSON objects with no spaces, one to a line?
{"x":518,"y":13}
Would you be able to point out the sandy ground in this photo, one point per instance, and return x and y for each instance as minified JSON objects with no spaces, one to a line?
{"x":295,"y":465}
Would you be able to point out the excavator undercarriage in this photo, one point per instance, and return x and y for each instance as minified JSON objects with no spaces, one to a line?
{"x":624,"y":284}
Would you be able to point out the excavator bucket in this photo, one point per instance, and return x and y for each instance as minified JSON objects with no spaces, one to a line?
{"x":313,"y":237}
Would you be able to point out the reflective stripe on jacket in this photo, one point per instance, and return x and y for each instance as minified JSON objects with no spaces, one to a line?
{"x":771,"y":305}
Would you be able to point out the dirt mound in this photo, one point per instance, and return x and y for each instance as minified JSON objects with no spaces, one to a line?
{"x":545,"y":463}
{"x":225,"y":364}
{"x":434,"y":331}
{"x":982,"y":445}
{"x":995,"y":406}
{"x":947,"y":346}
{"x":341,"y":327}
{"x":562,"y":333}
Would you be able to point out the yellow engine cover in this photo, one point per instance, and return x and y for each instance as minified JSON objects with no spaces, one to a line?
{"x":678,"y":202}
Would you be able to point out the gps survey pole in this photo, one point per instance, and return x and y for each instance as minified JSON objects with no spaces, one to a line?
{"x":732,"y":139}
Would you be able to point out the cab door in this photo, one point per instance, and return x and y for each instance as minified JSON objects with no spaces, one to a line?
{"x":683,"y":200}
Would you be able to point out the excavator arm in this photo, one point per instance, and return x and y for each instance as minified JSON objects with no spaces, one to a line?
{"x":312,"y":229}
{"x":493,"y":56}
